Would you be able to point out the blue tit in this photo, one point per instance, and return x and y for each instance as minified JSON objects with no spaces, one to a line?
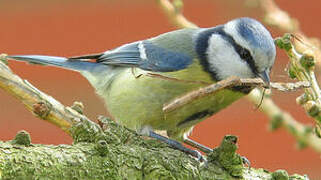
{"x":135,"y":80}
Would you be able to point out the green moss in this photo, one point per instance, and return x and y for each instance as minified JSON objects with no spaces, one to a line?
{"x":22,"y":138}
{"x":87,"y":131}
{"x":280,"y":175}
{"x":226,"y":155}
{"x":298,"y":177}
{"x":101,"y":147}
{"x":128,"y":157}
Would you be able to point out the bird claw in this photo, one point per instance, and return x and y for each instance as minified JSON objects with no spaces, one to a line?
{"x":199,"y":157}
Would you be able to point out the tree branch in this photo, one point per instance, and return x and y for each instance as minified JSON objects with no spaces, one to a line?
{"x":121,"y":154}
{"x":304,"y":53}
{"x":40,"y":104}
{"x":174,"y":13}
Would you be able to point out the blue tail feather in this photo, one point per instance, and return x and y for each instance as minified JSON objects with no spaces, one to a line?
{"x":62,"y":62}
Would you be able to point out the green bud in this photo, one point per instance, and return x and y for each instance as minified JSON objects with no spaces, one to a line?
{"x":302,"y":99}
{"x":278,"y":42}
{"x":178,"y":4}
{"x":317,"y":130}
{"x":308,"y":129}
{"x":301,"y":145}
{"x":307,"y":61}
{"x":229,"y":143}
{"x":276,"y":122}
{"x":42,"y":109}
{"x":3,"y":58}
{"x":78,"y":106}
{"x":312,"y":108}
{"x":284,"y":42}
{"x":280,"y":175}
{"x":291,"y":72}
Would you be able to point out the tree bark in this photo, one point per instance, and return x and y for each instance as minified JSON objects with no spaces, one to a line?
{"x":110,"y":151}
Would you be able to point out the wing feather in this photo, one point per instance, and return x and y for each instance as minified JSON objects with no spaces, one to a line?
{"x":142,"y":54}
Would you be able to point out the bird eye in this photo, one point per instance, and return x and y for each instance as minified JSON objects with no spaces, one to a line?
{"x":245,"y":54}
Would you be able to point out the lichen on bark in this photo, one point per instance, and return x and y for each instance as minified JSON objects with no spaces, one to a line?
{"x":115,"y":152}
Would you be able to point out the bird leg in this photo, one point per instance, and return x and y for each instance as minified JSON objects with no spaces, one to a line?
{"x":174,"y":144}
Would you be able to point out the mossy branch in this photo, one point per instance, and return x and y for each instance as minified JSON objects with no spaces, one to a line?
{"x":121,"y":154}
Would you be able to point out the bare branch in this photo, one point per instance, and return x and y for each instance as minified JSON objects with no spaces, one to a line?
{"x":174,"y":14}
{"x":304,"y":53}
{"x":40,"y":104}
{"x":276,"y":17}
{"x":280,"y":118}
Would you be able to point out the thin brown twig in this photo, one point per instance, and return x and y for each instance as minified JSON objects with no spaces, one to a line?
{"x":210,"y":89}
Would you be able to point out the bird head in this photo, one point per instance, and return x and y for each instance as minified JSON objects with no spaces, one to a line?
{"x":242,"y":47}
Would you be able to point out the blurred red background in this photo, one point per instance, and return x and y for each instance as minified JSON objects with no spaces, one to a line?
{"x":67,"y":28}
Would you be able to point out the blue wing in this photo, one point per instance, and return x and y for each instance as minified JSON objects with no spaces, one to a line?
{"x":144,"y":55}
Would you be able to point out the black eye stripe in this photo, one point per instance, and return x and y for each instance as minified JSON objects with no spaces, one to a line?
{"x":242,"y":52}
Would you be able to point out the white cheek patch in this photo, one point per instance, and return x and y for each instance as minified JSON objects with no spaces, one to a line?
{"x":224,"y":60}
{"x":259,"y":55}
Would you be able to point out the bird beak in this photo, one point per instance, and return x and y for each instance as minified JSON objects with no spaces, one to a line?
{"x":265,"y":77}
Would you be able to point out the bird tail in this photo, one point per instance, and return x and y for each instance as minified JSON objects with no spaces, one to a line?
{"x":66,"y":63}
